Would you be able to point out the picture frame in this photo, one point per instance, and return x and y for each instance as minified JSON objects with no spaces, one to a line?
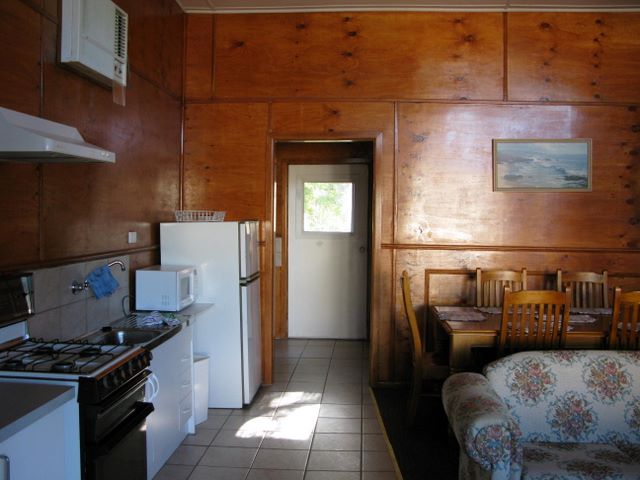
{"x":542,"y":165}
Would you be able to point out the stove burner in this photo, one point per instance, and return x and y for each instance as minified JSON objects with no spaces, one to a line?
{"x":13,"y":365}
{"x":90,"y":352}
{"x":62,"y":367}
{"x":43,"y":350}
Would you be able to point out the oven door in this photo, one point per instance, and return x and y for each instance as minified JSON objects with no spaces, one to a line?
{"x":115,"y":442}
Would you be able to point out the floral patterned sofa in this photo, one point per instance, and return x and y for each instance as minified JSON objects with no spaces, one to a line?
{"x":554,"y":415}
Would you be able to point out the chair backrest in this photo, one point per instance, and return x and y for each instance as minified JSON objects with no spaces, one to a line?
{"x":589,"y":289}
{"x":533,"y":319}
{"x":416,"y":341}
{"x":490,"y":285}
{"x":623,"y":334}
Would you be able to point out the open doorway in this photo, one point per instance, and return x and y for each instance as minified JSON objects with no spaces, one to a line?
{"x":323,"y":238}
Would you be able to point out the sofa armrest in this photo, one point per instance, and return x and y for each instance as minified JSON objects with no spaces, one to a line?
{"x":482,"y":424}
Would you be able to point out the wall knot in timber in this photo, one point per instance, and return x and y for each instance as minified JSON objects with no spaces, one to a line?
{"x":238,"y":44}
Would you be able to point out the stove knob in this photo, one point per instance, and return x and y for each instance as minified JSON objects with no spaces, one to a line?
{"x":115,"y":381}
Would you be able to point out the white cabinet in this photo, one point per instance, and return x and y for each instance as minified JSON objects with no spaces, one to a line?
{"x":171,"y":393}
{"x":42,"y":449}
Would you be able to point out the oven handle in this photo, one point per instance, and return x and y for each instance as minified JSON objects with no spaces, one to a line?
{"x":142,"y":411}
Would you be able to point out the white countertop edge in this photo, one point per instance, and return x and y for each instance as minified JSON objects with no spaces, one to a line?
{"x":22,"y":404}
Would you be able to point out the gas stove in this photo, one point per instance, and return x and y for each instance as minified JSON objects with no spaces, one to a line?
{"x":99,"y":369}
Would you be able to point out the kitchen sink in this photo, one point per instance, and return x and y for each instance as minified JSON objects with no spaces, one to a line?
{"x":124,"y":336}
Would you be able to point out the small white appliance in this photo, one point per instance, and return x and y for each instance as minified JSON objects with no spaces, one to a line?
{"x":169,"y":288}
{"x":93,"y":39}
{"x":226,"y":257}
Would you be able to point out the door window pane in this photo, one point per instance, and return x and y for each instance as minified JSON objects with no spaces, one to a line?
{"x":328,"y":207}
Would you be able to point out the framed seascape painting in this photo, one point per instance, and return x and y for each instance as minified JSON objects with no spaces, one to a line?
{"x":542,"y":165}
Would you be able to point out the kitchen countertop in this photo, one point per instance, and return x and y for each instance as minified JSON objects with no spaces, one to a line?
{"x":21,"y":404}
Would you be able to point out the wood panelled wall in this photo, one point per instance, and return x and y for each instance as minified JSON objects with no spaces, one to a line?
{"x":56,"y":213}
{"x":433,"y":90}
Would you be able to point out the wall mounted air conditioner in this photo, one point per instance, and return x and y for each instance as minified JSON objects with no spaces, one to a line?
{"x":93,"y":39}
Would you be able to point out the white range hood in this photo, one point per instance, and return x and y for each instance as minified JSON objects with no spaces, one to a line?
{"x":26,"y":138}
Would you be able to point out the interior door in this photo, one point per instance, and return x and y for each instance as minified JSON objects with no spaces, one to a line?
{"x":328,"y":251}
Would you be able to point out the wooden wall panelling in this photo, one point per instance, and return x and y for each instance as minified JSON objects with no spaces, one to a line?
{"x":445,"y":177}
{"x":579,"y":57}
{"x":360,"y":55}
{"x":199,"y":57}
{"x":20,"y":40}
{"x":19,"y":210}
{"x":224,"y":156}
{"x":382,"y":344}
{"x":90,"y":208}
{"x":156,"y":42}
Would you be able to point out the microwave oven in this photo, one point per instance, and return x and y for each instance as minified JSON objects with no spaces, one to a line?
{"x":168,"y":288}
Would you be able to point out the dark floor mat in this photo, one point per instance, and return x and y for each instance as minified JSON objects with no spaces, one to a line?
{"x":423,"y":452}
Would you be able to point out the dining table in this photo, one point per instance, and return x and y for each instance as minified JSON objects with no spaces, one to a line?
{"x":459,"y":328}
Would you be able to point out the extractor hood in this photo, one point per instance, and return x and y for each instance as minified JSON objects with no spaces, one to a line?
{"x":25,"y":138}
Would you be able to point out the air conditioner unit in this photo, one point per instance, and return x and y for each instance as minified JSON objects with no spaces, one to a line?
{"x":93,"y":39}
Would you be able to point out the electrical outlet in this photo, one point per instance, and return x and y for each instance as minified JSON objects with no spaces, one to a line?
{"x":132,"y":237}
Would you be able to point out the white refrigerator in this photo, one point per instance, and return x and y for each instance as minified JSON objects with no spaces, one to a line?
{"x":227,"y":262}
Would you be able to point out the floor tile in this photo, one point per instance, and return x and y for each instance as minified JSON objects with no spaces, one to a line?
{"x":262,"y":474}
{"x":248,"y":425}
{"x":374,"y":442}
{"x":231,"y":438}
{"x":228,"y":457}
{"x":214,"y":421}
{"x":317,"y":475}
{"x":203,"y":436}
{"x":371,"y":425}
{"x":202,"y":472}
{"x":336,"y":441}
{"x":380,"y":476}
{"x":174,"y":472}
{"x":285,"y":441}
{"x":340,"y":411}
{"x":341,"y":461}
{"x":187,"y":455}
{"x":377,"y":462}
{"x":280,"y":459}
{"x":339,"y":425}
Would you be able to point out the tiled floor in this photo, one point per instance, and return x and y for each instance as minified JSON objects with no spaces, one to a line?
{"x":316,"y":422}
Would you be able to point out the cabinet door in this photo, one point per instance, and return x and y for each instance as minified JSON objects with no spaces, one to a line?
{"x":164,"y":432}
{"x":33,"y":455}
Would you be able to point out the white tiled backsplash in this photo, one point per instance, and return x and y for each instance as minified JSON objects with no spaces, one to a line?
{"x":62,"y":315}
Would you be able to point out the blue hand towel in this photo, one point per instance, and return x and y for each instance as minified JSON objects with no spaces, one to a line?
{"x":102,"y":282}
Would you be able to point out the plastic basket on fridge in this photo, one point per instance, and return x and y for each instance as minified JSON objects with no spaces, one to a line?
{"x":199,"y":216}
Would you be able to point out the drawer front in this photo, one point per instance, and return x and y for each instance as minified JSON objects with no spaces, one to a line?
{"x":185,"y":411}
{"x":185,"y":383}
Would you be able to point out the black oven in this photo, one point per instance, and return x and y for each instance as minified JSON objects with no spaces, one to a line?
{"x":113,"y":433}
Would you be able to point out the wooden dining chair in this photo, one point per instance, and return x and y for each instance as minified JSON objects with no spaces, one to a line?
{"x":623,"y":334}
{"x":427,"y":366}
{"x":533,"y":319}
{"x":589,"y":289}
{"x":490,"y":285}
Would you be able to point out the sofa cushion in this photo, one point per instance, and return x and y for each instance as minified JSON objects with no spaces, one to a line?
{"x":577,"y":461}
{"x":571,"y":395}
